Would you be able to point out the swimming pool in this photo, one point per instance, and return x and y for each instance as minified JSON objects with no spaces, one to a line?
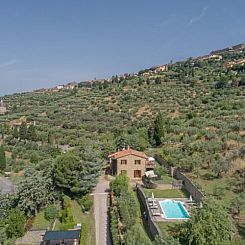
{"x":173,"y":209}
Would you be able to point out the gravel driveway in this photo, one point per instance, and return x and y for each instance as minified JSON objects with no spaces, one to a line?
{"x":100,"y":212}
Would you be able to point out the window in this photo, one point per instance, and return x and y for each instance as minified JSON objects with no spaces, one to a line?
{"x":137,"y":162}
{"x":124,"y":172}
{"x":123,"y":162}
{"x":137,"y":173}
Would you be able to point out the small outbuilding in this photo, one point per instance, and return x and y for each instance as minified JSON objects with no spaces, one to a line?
{"x":69,"y":237}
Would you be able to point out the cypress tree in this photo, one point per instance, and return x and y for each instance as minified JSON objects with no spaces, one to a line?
{"x":2,"y":159}
{"x":23,"y":131}
{"x":158,"y":129}
{"x":15,"y":133}
{"x":31,"y":133}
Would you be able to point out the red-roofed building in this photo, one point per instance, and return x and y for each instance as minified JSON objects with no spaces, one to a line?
{"x":131,"y":162}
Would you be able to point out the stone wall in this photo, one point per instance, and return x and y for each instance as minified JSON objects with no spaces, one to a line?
{"x":153,"y":228}
{"x":163,"y":162}
{"x":196,"y":194}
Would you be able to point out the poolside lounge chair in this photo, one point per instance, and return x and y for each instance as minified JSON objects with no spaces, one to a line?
{"x":188,"y":202}
{"x":156,"y":213}
{"x":153,"y":207}
{"x":151,"y":200}
{"x":191,"y":203}
{"x":153,"y":204}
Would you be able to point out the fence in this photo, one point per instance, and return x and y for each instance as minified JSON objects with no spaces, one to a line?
{"x":153,"y":228}
{"x":196,"y":194}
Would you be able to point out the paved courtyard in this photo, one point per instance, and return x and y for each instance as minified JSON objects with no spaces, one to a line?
{"x":31,"y":238}
{"x":6,"y":186}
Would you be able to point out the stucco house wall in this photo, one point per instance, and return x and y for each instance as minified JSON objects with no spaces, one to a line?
{"x":130,"y":166}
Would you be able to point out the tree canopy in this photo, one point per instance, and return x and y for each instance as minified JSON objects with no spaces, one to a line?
{"x":210,"y":225}
{"x":35,"y":192}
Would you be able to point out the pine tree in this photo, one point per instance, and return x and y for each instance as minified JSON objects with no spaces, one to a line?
{"x":2,"y":159}
{"x":158,"y":129}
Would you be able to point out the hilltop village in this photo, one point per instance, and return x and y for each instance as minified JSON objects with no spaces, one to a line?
{"x":218,"y":56}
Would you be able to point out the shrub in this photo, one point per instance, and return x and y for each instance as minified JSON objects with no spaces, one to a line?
{"x":119,"y":185}
{"x":51,"y":213}
{"x":15,"y":224}
{"x":219,"y":191}
{"x":127,"y":207}
{"x":86,"y":203}
{"x":66,"y":214}
{"x":114,"y":225}
{"x":84,"y":235}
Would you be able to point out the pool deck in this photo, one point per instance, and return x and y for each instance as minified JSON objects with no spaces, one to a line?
{"x":157,"y":213}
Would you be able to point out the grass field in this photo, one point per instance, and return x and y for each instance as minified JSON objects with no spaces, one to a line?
{"x":88,"y":224}
{"x":15,"y":178}
{"x":208,"y":182}
{"x":169,"y":193}
{"x":40,"y":223}
{"x":167,"y":228}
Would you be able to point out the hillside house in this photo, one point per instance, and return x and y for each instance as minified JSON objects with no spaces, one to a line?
{"x":161,"y":68}
{"x":57,"y":88}
{"x":3,"y":108}
{"x":71,"y":86}
{"x":131,"y":162}
{"x":234,"y":63}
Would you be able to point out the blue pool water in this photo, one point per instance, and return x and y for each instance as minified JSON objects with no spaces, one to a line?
{"x":173,"y":209}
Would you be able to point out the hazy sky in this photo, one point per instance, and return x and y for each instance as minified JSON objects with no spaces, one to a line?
{"x":47,"y":42}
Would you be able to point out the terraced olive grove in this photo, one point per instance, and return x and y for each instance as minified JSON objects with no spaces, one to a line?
{"x":202,"y":104}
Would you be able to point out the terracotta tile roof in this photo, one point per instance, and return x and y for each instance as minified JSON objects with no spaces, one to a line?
{"x":127,"y":152}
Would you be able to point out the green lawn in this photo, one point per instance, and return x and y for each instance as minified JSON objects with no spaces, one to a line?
{"x":40,"y":223}
{"x":169,"y":193}
{"x":165,"y":179}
